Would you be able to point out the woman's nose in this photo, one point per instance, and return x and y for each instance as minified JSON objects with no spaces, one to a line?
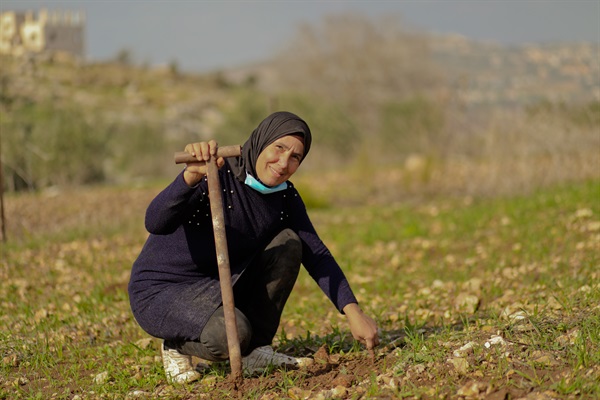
{"x":283,"y":160}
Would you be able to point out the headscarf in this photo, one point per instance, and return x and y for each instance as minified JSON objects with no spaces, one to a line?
{"x":275,"y":126}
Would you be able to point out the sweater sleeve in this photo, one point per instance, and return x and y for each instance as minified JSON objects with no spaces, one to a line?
{"x":168,"y":209}
{"x":317,"y":259}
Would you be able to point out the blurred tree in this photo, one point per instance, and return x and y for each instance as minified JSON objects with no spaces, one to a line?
{"x":124,"y":57}
{"x":412,"y":126}
{"x":359,"y":64}
{"x":174,"y":69}
{"x":249,"y":107}
{"x":47,"y":146}
{"x":335,"y":131}
{"x":585,"y":115}
{"x":144,"y":139}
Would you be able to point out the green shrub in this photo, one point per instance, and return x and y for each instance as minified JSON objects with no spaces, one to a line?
{"x":583,"y":115}
{"x":44,"y":145}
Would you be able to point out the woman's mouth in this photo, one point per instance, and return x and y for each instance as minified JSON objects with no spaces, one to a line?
{"x":276,"y":173}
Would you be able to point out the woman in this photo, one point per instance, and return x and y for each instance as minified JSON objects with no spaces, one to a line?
{"x":174,"y":288}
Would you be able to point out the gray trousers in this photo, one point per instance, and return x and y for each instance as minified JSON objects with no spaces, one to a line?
{"x":260,"y":295}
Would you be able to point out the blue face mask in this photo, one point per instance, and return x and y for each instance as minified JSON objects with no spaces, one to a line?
{"x":259,"y":187}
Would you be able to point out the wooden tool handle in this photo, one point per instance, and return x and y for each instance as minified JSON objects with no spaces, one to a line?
{"x":183,"y":157}
{"x":218,"y":220}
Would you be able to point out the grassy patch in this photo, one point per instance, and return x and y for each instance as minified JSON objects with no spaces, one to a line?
{"x":473,"y":298}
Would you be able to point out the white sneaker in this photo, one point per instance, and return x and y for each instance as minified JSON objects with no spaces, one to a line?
{"x":178,"y":367}
{"x":265,"y":356}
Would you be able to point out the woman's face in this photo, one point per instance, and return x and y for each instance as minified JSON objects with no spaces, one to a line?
{"x":279,"y":160}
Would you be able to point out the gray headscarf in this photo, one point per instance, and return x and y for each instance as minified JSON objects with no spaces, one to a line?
{"x":275,"y":126}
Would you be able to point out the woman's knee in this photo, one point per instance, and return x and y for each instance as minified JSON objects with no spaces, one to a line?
{"x":214,"y":335}
{"x":289,"y":243}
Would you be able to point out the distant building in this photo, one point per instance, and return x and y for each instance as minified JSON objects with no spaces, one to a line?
{"x":51,"y":33}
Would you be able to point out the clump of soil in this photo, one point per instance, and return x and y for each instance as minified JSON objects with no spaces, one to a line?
{"x":326,"y":372}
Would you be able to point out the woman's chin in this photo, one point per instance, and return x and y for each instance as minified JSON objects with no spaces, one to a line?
{"x":272,"y":181}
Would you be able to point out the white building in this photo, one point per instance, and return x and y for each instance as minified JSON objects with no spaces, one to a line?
{"x":50,"y":33}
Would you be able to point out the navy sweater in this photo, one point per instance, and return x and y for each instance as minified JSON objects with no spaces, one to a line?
{"x":180,"y":248}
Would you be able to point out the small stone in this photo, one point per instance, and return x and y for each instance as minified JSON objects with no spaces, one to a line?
{"x":209,"y":380}
{"x":524,"y":326}
{"x":137,"y":394}
{"x":335,"y":358}
{"x":460,"y":364}
{"x":437,"y":284}
{"x":568,"y":338}
{"x":467,"y":303}
{"x":464,"y":350}
{"x":543,"y":358}
{"x":585,"y":289}
{"x":515,"y":316}
{"x":166,"y":391}
{"x":547,"y":395}
{"x":21,"y":381}
{"x":494,"y":340}
{"x":551,"y":394}
{"x":40,"y":315}
{"x":554,"y":304}
{"x":11,"y":360}
{"x":473,"y":285}
{"x":472,"y":389}
{"x":339,"y":392}
{"x":583,"y":213}
{"x":296,"y":393}
{"x":418,"y":369}
{"x":343,"y":380}
{"x":144,"y":343}
{"x":321,"y":356}
{"x":269,"y":396}
{"x":101,"y":378}
{"x":593,"y":226}
{"x":388,"y":380}
{"x":305,"y":362}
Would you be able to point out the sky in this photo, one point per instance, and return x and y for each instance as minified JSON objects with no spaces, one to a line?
{"x":202,"y":35}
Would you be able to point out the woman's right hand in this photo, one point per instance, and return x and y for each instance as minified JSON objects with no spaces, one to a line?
{"x":195,"y":171}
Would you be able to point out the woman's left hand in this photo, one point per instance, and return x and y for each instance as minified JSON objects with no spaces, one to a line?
{"x":363,"y":327}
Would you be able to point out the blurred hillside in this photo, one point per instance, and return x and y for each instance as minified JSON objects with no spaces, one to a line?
{"x":436,"y":113}
{"x":491,"y":75}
